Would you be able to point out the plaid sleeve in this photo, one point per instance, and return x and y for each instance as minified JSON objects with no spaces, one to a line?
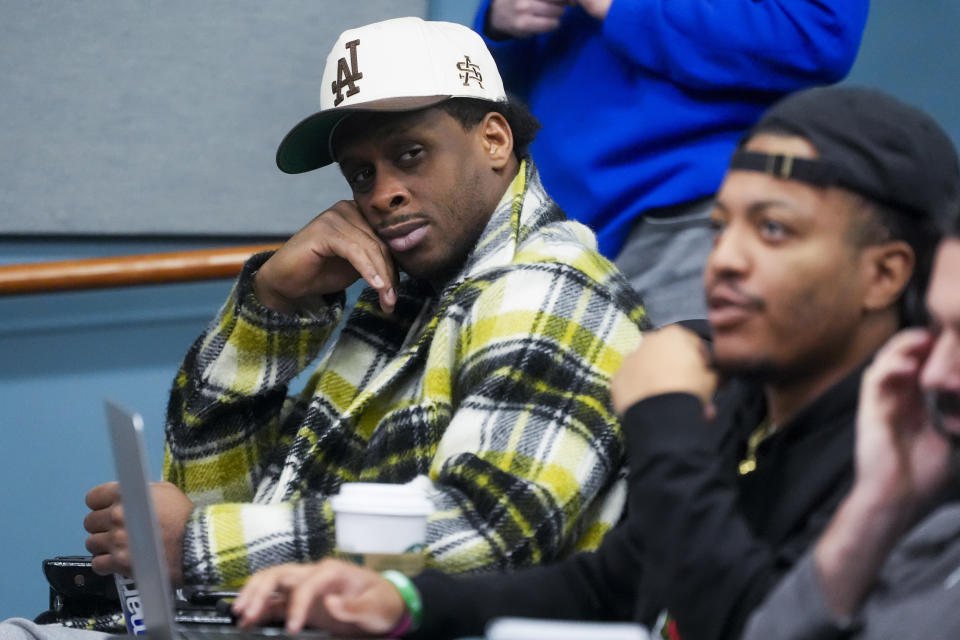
{"x":228,"y":406}
{"x":533,"y":449}
{"x":224,"y":544}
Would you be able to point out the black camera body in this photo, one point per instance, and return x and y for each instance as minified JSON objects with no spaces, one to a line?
{"x":76,"y":591}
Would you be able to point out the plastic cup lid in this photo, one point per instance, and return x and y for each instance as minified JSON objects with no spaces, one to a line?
{"x":381,"y":498}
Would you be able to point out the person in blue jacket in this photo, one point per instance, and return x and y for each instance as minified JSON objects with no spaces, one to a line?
{"x":642,"y":103}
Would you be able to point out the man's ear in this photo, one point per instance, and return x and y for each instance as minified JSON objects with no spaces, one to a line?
{"x":890,"y":266}
{"x":496,"y":139}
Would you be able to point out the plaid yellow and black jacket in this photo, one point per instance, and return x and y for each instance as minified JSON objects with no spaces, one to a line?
{"x":494,"y":392}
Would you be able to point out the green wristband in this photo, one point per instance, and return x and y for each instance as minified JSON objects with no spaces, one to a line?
{"x":410,"y":595}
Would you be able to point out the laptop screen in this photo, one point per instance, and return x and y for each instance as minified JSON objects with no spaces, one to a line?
{"x":146,"y":549}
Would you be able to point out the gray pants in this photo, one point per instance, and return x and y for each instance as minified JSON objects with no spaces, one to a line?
{"x":23,"y":629}
{"x":664,"y":258}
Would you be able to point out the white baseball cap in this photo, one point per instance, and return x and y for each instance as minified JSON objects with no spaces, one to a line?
{"x":402,"y":64}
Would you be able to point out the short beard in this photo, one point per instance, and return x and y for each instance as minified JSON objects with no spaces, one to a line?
{"x":758,"y":370}
{"x":754,"y":371}
{"x":763,"y":370}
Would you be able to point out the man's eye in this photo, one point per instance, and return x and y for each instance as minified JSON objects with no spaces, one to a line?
{"x":411,"y":154}
{"x":773,"y":231}
{"x":716,"y":226}
{"x":361,"y":178}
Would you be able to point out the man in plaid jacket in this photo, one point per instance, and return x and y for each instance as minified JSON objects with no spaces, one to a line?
{"x":481,"y":372}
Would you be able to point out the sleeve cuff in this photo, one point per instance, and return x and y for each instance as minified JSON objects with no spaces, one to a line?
{"x":249,"y":307}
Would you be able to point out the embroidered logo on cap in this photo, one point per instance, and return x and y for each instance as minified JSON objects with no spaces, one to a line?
{"x":470,"y":72}
{"x":347,"y":74}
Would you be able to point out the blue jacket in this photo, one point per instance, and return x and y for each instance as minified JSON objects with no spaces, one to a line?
{"x":644,"y":109}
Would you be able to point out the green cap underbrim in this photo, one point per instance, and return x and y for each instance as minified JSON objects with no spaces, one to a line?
{"x":307,"y":146}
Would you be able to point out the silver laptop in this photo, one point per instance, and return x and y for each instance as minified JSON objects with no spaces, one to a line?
{"x":146,"y":548}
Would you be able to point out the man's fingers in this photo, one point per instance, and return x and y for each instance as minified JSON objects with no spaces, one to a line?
{"x":351,"y":238}
{"x":549,"y":8}
{"x":98,"y":521}
{"x":891,"y":404}
{"x":266,"y":593}
{"x":541,"y":15}
{"x":294,"y":575}
{"x":388,"y":300}
{"x":901,"y":358}
{"x":909,"y":342}
{"x":254,"y":599}
{"x":378,"y":270}
{"x":108,"y":538}
{"x":297,"y":610}
{"x":271,"y":607}
{"x":104,"y":565}
{"x":388,"y":291}
{"x":260,"y":584}
{"x":117,"y":560}
{"x":329,"y":254}
{"x":106,"y":519}
{"x":98,"y":543}
{"x":371,"y":270}
{"x":524,"y":17}
{"x":537,"y":24}
{"x":307,"y":595}
{"x":110,"y":541}
{"x":103,"y":495}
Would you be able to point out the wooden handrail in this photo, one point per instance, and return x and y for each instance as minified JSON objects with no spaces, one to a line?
{"x":126,"y":271}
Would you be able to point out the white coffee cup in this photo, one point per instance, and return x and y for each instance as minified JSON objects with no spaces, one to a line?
{"x":380,"y":518}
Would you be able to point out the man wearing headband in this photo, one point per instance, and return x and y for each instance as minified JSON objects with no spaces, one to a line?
{"x":888,"y":566}
{"x":825,"y":229}
{"x":476,"y":364}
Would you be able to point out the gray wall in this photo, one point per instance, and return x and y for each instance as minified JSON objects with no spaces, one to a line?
{"x":162,"y":117}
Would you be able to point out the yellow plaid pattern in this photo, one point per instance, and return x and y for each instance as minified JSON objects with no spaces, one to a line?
{"x":495,"y":390}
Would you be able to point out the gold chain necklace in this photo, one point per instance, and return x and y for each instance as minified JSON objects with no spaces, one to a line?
{"x":749,"y":463}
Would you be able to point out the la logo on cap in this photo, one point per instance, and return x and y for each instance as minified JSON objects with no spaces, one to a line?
{"x":348,"y":74}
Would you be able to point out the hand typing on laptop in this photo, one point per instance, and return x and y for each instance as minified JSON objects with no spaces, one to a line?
{"x":108,"y":540}
{"x":331,"y":594}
